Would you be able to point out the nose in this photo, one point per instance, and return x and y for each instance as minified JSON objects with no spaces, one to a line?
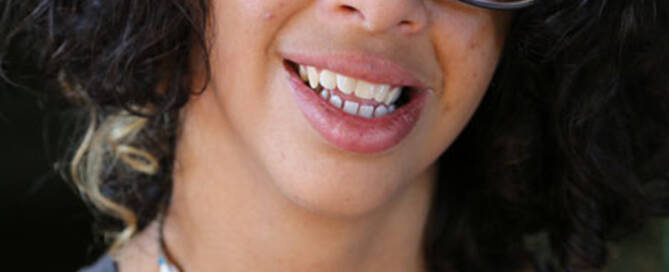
{"x":375,"y":16}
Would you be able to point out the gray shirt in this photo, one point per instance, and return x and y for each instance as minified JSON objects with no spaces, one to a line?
{"x":104,"y":264}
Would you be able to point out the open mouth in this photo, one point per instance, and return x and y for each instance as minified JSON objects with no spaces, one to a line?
{"x":353,"y":96}
{"x":355,"y":114}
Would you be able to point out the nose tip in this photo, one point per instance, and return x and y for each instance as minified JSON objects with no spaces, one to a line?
{"x":405,"y":16}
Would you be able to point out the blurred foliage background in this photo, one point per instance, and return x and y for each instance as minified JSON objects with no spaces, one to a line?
{"x":643,"y":251}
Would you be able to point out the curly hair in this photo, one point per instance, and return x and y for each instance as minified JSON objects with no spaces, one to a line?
{"x":557,"y":149}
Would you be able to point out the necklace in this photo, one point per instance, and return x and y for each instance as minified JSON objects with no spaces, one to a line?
{"x":164,"y":264}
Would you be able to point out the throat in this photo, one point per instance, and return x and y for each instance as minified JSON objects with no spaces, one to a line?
{"x":284,"y":238}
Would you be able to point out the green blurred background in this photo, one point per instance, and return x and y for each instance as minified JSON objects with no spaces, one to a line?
{"x":647,"y":250}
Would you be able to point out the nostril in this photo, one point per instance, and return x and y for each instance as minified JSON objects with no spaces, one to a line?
{"x":406,"y":18}
{"x":409,"y":26}
{"x":348,"y":9}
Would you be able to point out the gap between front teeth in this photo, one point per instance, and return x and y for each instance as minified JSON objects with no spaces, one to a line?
{"x":381,"y":93}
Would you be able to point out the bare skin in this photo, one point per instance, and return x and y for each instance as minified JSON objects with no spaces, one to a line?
{"x":276,"y":238}
{"x":257,"y":189}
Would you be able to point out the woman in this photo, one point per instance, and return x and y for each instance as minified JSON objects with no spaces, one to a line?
{"x":273,"y":135}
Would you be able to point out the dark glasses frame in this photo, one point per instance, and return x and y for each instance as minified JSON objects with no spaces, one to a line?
{"x":492,"y":4}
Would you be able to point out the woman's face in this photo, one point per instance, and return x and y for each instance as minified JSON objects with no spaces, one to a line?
{"x":347,"y":153}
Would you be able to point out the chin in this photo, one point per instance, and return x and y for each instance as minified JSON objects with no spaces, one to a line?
{"x":347,"y":192}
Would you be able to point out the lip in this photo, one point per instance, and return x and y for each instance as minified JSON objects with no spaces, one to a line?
{"x":351,"y":132}
{"x":360,"y":66}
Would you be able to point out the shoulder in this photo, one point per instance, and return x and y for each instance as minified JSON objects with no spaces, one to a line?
{"x":104,"y":264}
{"x":138,"y":254}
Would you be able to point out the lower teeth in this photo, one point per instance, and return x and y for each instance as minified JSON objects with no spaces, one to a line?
{"x":354,"y":108}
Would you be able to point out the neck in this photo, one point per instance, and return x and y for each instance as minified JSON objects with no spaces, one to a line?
{"x":246,"y":228}
{"x":226,"y":215}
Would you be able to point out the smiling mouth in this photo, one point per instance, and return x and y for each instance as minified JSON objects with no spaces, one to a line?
{"x":352,"y":95}
{"x":356,"y":113}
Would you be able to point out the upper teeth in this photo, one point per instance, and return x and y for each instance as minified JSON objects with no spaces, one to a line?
{"x":381,"y":93}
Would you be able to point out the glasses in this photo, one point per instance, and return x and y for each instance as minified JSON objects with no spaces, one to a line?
{"x":500,"y":4}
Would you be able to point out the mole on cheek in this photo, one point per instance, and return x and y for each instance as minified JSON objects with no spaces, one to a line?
{"x":270,"y":12}
{"x":473,"y":44}
{"x":268,"y":16}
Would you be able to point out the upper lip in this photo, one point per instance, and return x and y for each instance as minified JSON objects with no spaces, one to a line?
{"x":361,"y":66}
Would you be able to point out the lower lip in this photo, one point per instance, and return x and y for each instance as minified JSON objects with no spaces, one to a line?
{"x":351,"y":132}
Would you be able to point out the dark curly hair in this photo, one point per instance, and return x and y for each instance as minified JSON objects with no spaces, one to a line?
{"x":558,"y":148}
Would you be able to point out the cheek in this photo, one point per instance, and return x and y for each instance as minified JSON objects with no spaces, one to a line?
{"x":243,"y":32}
{"x":251,"y":18}
{"x":468,"y":49}
{"x":241,"y":27}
